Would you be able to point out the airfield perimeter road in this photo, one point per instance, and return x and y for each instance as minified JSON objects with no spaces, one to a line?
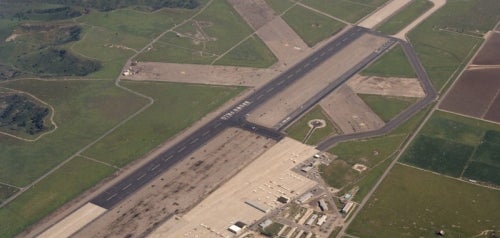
{"x":430,"y":95}
{"x":234,"y":117}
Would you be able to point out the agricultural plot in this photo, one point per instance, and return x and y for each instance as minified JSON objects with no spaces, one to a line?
{"x":489,"y":54}
{"x":474,"y":93}
{"x":176,"y":107}
{"x":387,"y":107}
{"x":439,"y":47}
{"x":312,"y":27}
{"x":83,"y":110}
{"x":302,"y":131}
{"x":415,"y":203}
{"x":350,"y":11}
{"x":392,"y":64}
{"x":405,"y":17}
{"x":458,"y":147}
{"x":207,"y":37}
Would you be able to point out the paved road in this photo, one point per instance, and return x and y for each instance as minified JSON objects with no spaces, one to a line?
{"x":234,"y":117}
{"x":430,"y":96}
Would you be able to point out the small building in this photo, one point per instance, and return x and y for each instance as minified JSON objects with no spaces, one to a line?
{"x":311,"y":220}
{"x":305,"y":197}
{"x":283,"y":199}
{"x":321,"y":220}
{"x":348,"y":207}
{"x":237,"y":227}
{"x":323,"y":205}
{"x":265,"y":223}
{"x":306,"y":168}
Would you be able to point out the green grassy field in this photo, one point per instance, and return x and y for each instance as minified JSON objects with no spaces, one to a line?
{"x":251,"y":53}
{"x":414,"y":203}
{"x":176,"y":107}
{"x":83,"y":111}
{"x":405,"y":17}
{"x":200,"y":41}
{"x":391,"y":64}
{"x":280,"y":6}
{"x":6,"y":191}
{"x":450,"y":143}
{"x":53,"y":191}
{"x":377,"y":153}
{"x":445,"y":40}
{"x":312,"y":27}
{"x":350,"y":11}
{"x":300,"y":128}
{"x":387,"y":107}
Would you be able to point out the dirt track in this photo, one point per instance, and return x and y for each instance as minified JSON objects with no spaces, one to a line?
{"x":349,"y":112}
{"x":181,"y":187}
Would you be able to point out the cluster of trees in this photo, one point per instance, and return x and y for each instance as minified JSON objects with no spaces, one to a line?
{"x":21,"y":114}
{"x":107,"y":5}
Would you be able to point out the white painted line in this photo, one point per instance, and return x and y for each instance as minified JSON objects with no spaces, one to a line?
{"x":181,"y":149}
{"x":140,"y":177}
{"x":206,"y":133}
{"x":314,"y":60}
{"x":127,"y":186}
{"x":259,"y":97}
{"x":194,"y":141}
{"x":217,"y":125}
{"x":280,"y":82}
{"x":289,"y":76}
{"x":156,"y":166}
{"x":112,"y":196}
{"x":169,"y":157}
{"x":269,"y":90}
{"x":322,"y":53}
{"x":298,"y":70}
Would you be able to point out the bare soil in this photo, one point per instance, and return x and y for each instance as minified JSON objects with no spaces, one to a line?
{"x":399,"y":87}
{"x":489,"y":54}
{"x":181,"y":187}
{"x":273,"y":111}
{"x":349,"y":112}
{"x":255,"y":12}
{"x":473,"y":93}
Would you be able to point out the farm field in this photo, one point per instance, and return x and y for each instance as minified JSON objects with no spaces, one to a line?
{"x":405,"y":17}
{"x":53,"y":191}
{"x":312,"y":27}
{"x":446,"y":40}
{"x":489,"y":54}
{"x":176,"y":107}
{"x":415,"y":203}
{"x":392,"y":64}
{"x":350,"y":11}
{"x":456,"y":146}
{"x":209,"y":35}
{"x":83,"y":111}
{"x":300,"y":128}
{"x":387,"y":107}
{"x":474,"y":93}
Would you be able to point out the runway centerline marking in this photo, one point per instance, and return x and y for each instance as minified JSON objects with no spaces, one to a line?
{"x":269,"y":90}
{"x":181,"y":149}
{"x":289,"y":76}
{"x":194,"y":141}
{"x":260,"y":96}
{"x":169,"y":157}
{"x":280,"y":82}
{"x":205,"y":133}
{"x":156,"y":166}
{"x":127,"y":186}
{"x":112,"y":196}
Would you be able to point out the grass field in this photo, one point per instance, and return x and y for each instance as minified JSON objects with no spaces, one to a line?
{"x":350,"y":11}
{"x":250,"y":53}
{"x":312,"y":27}
{"x":340,"y":174}
{"x":300,"y":128}
{"x":200,"y":41}
{"x":414,"y":203}
{"x":279,"y":6}
{"x":445,"y":40}
{"x":83,"y":111}
{"x":392,"y":64}
{"x":387,"y":107}
{"x":176,"y":107}
{"x":64,"y":184}
{"x":405,"y":17}
{"x":6,"y":191}
{"x":457,"y":146}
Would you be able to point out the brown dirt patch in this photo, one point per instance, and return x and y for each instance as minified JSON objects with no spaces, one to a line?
{"x":399,"y":87}
{"x":489,"y":54}
{"x":255,"y":12}
{"x":473,"y":92}
{"x":493,"y":113}
{"x":177,"y":190}
{"x":349,"y":111}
